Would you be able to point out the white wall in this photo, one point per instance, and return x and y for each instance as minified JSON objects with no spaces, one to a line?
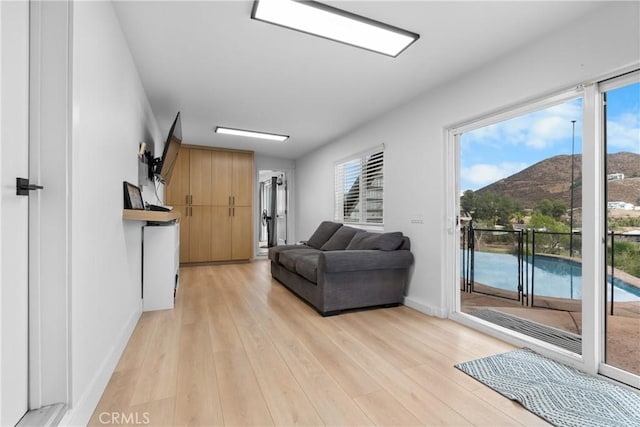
{"x":111,"y":115}
{"x":273,"y":163}
{"x":415,"y":169}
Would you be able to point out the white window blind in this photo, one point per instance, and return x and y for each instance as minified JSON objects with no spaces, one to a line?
{"x":359,"y":189}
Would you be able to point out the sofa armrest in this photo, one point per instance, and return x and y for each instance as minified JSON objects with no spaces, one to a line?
{"x":361,"y":260}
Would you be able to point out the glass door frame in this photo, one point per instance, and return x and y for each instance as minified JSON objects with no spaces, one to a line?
{"x":453,"y":232}
{"x":602,"y":87}
{"x":593,"y":237}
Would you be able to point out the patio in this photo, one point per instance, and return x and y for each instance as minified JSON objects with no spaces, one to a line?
{"x":623,"y":328}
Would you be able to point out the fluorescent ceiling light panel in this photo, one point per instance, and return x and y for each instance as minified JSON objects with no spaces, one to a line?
{"x":251,"y":134}
{"x":335,"y":24}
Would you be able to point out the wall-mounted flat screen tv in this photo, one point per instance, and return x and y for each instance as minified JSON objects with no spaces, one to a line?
{"x":164,"y":165}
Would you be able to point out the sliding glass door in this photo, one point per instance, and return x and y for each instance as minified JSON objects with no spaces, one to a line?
{"x":547,"y":245}
{"x":521,"y":220}
{"x":621,"y":123}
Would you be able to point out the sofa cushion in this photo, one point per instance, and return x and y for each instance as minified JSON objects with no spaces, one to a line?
{"x":288,"y":261}
{"x":366,"y":260}
{"x":340,"y":239}
{"x":376,"y":241}
{"x":323,"y":233}
{"x":288,"y":258}
{"x":275,"y":251}
{"x":307,"y":266}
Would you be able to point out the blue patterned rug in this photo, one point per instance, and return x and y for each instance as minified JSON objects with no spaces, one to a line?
{"x":557,"y":393}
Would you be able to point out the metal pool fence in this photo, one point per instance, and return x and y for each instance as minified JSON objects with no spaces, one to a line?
{"x":524,"y":244}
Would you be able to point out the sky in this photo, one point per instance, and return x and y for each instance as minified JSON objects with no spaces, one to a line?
{"x":497,"y":151}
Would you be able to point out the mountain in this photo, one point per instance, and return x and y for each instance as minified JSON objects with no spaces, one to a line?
{"x":551,"y":179}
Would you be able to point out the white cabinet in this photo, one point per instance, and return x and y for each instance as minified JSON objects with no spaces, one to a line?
{"x":161,"y":259}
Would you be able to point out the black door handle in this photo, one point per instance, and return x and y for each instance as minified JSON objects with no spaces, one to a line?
{"x":23,"y":187}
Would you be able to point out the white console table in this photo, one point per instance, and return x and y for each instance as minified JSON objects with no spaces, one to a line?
{"x":160,"y":265}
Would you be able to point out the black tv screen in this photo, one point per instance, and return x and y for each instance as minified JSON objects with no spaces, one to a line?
{"x":164,"y":167}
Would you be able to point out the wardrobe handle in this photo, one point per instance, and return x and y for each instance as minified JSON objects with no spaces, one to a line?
{"x":229,"y":200}
{"x":229,"y":211}
{"x":234,"y":201}
{"x":186,"y":199}
{"x":234,"y":211}
{"x":191,"y":199}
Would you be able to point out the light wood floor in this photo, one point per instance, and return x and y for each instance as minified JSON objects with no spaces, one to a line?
{"x":240,"y":349}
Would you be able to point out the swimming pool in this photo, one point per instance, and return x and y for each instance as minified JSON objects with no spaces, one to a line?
{"x":554,"y":277}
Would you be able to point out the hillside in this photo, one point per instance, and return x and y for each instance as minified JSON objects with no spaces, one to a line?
{"x":551,"y":179}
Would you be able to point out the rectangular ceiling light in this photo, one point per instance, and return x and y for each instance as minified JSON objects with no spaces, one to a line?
{"x":335,"y":24}
{"x":251,"y":134}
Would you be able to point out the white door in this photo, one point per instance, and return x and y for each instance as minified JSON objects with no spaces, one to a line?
{"x":281,"y":209}
{"x":14,"y":161}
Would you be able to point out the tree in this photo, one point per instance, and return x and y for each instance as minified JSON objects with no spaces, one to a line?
{"x":626,"y":256}
{"x":467,"y":201}
{"x":555,"y":236}
{"x":542,"y":222}
{"x":489,"y":207}
{"x":507,"y":209}
{"x":553,"y":208}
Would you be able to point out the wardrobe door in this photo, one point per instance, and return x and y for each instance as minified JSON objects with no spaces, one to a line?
{"x":200,"y":177}
{"x":178,"y":189}
{"x":185,"y":224}
{"x":242,"y":181}
{"x":241,"y":231}
{"x":200,"y":233}
{"x":221,"y":234}
{"x":221,"y":164}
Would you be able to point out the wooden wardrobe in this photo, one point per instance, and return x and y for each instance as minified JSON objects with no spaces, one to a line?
{"x":212,"y":188}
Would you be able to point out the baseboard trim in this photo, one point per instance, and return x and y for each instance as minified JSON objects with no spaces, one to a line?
{"x":47,"y":416}
{"x":425,"y":308}
{"x":81,"y":411}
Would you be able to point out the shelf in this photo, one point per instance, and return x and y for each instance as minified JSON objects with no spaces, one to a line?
{"x":144,"y":215}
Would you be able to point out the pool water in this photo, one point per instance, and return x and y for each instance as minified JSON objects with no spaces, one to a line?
{"x":554,"y":277}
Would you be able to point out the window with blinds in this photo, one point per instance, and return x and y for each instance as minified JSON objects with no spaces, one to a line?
{"x":359,"y":185}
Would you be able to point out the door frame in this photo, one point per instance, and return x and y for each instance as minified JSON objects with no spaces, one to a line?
{"x":290,"y":178}
{"x":452,"y":238}
{"x":50,"y":124}
{"x":451,"y":261}
{"x":598,"y":93}
{"x":594,"y":216}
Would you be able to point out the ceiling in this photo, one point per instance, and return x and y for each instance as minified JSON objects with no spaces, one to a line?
{"x":217,"y":66}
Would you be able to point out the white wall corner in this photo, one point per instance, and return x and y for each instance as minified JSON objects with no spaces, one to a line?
{"x":80,"y":413}
{"x":424,"y":307}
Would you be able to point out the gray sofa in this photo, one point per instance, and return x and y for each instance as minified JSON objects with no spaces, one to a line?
{"x":341,"y":268}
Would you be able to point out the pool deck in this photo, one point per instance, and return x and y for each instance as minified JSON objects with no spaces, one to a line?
{"x":623,"y":328}
{"x":625,"y":277}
